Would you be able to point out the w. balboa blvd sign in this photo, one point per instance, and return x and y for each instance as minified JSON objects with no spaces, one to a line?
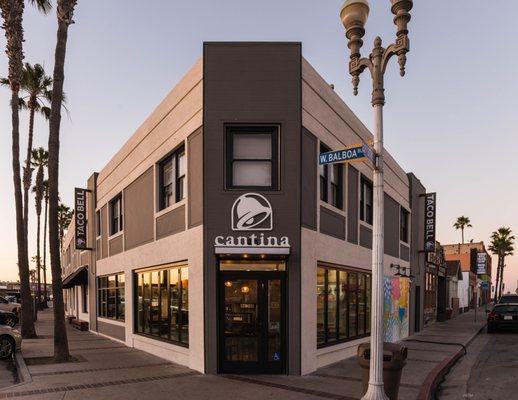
{"x":360,"y":152}
{"x":80,"y":218}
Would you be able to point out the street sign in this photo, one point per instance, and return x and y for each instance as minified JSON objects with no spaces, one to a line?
{"x":484,"y":285}
{"x":360,"y":152}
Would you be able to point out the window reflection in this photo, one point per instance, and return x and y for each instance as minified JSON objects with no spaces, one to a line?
{"x":163,"y":305}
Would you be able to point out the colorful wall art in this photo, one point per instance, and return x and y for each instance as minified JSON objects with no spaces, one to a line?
{"x":396,"y":308}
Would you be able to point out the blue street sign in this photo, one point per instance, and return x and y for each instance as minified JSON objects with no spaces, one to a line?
{"x":485,"y":285}
{"x":354,"y":153}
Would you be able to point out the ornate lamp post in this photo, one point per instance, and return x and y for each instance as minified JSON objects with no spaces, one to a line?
{"x":354,"y":15}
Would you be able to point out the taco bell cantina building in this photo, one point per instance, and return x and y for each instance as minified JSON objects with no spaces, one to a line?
{"x":214,"y":239}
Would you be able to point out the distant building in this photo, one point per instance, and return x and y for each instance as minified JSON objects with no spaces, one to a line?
{"x":476,"y":267}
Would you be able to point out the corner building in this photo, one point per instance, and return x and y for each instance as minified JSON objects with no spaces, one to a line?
{"x":217,"y":241}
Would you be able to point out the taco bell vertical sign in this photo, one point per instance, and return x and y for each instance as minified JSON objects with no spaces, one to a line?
{"x":80,"y":218}
{"x":430,"y":222}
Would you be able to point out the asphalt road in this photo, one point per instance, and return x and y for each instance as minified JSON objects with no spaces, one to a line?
{"x":488,"y":372}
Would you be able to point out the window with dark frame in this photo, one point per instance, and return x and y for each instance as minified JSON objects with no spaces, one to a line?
{"x":343,"y":305}
{"x":116,"y":215}
{"x":172,"y":173}
{"x":404,"y":225}
{"x":331,"y":182}
{"x":111,"y":297}
{"x":98,"y":223}
{"x":366,"y":201}
{"x":162,"y":297}
{"x":84,"y":293}
{"x":252,"y":157}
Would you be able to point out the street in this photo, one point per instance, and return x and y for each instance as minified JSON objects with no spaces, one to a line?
{"x":487,"y":372}
{"x":8,"y":375}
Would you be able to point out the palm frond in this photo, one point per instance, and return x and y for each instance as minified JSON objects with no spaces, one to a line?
{"x":43,"y":6}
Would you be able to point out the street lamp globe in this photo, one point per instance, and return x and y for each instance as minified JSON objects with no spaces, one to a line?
{"x":354,"y":13}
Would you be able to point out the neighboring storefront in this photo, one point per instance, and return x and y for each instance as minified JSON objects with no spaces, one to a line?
{"x":218,"y":243}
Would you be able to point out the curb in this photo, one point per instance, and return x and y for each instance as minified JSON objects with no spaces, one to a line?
{"x":24,"y":376}
{"x":434,"y":378}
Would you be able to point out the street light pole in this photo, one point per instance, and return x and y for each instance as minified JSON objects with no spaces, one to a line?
{"x":354,"y":15}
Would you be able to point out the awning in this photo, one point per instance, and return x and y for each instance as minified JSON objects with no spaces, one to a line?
{"x":273,"y":250}
{"x":77,"y":278}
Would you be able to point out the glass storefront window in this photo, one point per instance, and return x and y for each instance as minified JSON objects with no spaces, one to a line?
{"x":163,"y":304}
{"x":111,"y":297}
{"x":321,"y":294}
{"x":343,"y":305}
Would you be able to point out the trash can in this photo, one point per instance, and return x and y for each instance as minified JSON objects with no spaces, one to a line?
{"x":394,"y":359}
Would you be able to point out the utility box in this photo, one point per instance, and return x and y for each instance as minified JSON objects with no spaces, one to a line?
{"x":394,"y":360}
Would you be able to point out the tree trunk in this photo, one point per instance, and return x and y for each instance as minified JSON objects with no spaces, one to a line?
{"x":462,"y":232}
{"x":500,"y":288}
{"x":45,"y":295}
{"x":497,"y":283}
{"x":38,"y":261}
{"x":28,"y":330}
{"x":65,"y":10}
{"x":27,"y":174}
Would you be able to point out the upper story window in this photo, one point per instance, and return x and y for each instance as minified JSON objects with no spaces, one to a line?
{"x":116,"y":215}
{"x":172,"y":173}
{"x":98,"y":223}
{"x":366,"y":201}
{"x":404,"y":225}
{"x":331,"y":182}
{"x":252,"y":157}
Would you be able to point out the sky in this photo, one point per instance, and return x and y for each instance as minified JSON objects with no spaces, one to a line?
{"x":452,"y":120}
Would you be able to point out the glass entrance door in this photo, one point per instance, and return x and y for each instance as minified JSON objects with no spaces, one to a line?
{"x":252,"y":323}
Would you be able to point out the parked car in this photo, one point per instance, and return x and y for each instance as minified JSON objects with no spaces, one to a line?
{"x":508,"y":298}
{"x":5,"y":305}
{"x":8,"y":318}
{"x":502,"y":316}
{"x":10,"y":341}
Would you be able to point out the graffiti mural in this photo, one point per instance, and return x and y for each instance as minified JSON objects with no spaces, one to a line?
{"x":396,"y":293}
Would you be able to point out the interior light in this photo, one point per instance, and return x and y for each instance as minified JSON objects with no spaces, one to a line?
{"x":245,"y":289}
{"x":228,"y":283}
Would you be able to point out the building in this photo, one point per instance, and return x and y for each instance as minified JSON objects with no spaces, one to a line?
{"x":218,"y":243}
{"x":436,"y":291}
{"x":476,"y":267}
{"x":453,"y":276}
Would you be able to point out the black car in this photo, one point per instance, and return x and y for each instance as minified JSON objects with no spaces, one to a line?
{"x":508,"y":298}
{"x":8,"y":318}
{"x":502,"y":316}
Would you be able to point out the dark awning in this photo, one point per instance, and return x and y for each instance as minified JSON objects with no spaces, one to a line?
{"x":77,"y":278}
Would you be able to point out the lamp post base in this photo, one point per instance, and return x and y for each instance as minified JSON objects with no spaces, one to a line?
{"x":375,"y":392}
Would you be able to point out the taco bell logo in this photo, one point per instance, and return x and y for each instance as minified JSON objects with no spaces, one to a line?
{"x":252,"y":212}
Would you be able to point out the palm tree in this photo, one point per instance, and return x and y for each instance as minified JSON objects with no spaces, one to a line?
{"x":462,"y":223}
{"x":11,"y":12}
{"x":502,"y":245}
{"x":45,"y":218}
{"x":37,"y":88}
{"x":65,"y":13}
{"x":40,"y":159}
{"x":64,"y":219}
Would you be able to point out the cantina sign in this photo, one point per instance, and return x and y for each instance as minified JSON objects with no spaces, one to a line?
{"x":429,"y":222}
{"x":252,"y":212}
{"x":80,"y":218}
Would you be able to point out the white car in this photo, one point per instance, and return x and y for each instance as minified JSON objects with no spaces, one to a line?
{"x":10,"y":341}
{"x":11,"y":307}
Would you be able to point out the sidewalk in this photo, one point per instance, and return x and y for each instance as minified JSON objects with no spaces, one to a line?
{"x":108,"y":369}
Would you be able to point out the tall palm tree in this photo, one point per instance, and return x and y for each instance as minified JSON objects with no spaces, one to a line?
{"x":37,"y":89}
{"x":40,"y":158}
{"x":502,"y":245}
{"x":11,"y":12}
{"x":45,"y":219}
{"x":462,"y":223}
{"x":65,"y":13}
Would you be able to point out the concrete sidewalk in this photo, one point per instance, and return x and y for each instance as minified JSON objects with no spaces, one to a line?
{"x":108,"y":369}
